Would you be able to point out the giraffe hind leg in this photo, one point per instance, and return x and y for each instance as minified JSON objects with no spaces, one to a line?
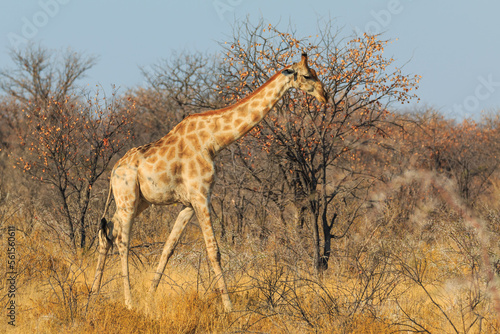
{"x":123,"y":244}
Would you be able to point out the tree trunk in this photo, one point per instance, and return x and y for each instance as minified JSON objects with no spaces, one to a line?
{"x":84,"y":205}
{"x":317,"y":256}
{"x":327,"y":243}
{"x":83,"y":233}
{"x":327,"y":238}
{"x":69,"y":221}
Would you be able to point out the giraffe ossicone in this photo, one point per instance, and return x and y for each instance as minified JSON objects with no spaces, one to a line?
{"x":179,"y":168}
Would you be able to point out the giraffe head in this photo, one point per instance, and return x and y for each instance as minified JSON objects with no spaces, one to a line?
{"x":304,"y":78}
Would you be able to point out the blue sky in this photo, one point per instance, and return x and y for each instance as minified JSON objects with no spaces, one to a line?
{"x":454,"y":45}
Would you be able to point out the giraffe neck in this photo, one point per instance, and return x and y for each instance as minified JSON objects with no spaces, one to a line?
{"x":233,"y":122}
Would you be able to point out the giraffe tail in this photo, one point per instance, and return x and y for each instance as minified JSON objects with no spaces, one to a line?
{"x":103,"y":232}
{"x":103,"y":225}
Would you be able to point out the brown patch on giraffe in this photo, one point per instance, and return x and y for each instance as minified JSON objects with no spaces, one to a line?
{"x":242,"y":110}
{"x":192,"y":169}
{"x":256,"y":117}
{"x":204,"y":136}
{"x":238,"y":121}
{"x":202,"y":124}
{"x":224,"y":139}
{"x":171,"y":153}
{"x":170,"y":139}
{"x":181,"y":145}
{"x":191,"y":126}
{"x":160,"y":165}
{"x":153,"y":159}
{"x":204,"y":188}
{"x":150,"y":152}
{"x":176,"y":168}
{"x":227,"y":118}
{"x":163,"y":150}
{"x":164,"y":178}
{"x":193,"y":139}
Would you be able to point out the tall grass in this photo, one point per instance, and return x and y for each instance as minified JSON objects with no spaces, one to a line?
{"x":418,"y":268}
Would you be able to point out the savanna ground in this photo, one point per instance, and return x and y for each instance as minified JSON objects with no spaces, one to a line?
{"x":347,"y":218}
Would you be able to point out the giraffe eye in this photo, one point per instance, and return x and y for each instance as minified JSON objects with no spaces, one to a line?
{"x":307,"y":77}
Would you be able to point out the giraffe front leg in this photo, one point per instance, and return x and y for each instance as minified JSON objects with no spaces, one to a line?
{"x":203,"y":214}
{"x":179,"y":225}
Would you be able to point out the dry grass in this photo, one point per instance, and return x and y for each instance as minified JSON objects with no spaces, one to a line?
{"x":384,"y":285}
{"x":270,"y":297}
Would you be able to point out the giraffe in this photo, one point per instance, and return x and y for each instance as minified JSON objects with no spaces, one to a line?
{"x":179,"y":168}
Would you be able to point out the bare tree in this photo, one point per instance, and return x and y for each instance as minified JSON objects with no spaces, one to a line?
{"x":40,"y":75}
